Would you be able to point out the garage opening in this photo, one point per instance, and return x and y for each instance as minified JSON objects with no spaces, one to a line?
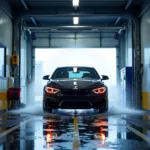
{"x":47,"y":60}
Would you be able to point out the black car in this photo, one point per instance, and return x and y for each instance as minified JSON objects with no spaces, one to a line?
{"x":75,"y":88}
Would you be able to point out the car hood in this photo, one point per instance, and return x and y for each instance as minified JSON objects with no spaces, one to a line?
{"x":75,"y":83}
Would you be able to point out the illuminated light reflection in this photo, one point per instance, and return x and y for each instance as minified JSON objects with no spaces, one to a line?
{"x":101,"y":123}
{"x":48,"y":146}
{"x":102,"y":138}
{"x":48,"y":138}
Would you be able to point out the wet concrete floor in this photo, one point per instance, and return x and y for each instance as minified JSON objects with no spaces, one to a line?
{"x":75,"y":131}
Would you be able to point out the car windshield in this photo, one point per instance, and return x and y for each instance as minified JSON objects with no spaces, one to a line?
{"x":75,"y":73}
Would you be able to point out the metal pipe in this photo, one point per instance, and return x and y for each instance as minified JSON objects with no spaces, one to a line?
{"x":74,"y":38}
{"x":75,"y":28}
{"x":128,"y":4}
{"x":6,"y":12}
{"x":70,"y":32}
{"x":24,"y":4}
{"x":144,"y":11}
{"x":118,"y":19}
{"x":33,"y":20}
{"x":121,"y":30}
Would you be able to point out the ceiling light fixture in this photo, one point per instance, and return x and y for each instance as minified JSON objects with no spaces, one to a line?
{"x":75,"y":3}
{"x":75,"y":20}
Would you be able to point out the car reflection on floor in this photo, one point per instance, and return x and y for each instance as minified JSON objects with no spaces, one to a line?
{"x":75,"y":130}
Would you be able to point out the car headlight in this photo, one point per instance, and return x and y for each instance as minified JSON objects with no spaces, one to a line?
{"x":51,"y":90}
{"x":100,"y":90}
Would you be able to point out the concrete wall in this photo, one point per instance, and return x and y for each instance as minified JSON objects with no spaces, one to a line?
{"x":6,"y":40}
{"x":145,"y":46}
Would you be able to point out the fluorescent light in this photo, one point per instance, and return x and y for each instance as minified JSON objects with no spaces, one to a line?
{"x":75,"y":3}
{"x":75,"y":20}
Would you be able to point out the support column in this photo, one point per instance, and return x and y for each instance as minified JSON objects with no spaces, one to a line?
{"x":30,"y":58}
{"x":16,"y":50}
{"x":136,"y":64}
{"x":118,"y":65}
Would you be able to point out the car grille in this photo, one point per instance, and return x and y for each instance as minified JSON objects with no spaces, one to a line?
{"x":75,"y":92}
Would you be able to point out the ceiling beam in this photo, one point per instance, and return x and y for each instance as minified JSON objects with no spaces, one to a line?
{"x":117,"y":21}
{"x":76,"y":28}
{"x":61,"y":11}
{"x":24,"y":4}
{"x":128,"y":4}
{"x":33,"y":20}
{"x":144,"y":10}
{"x":26,"y":7}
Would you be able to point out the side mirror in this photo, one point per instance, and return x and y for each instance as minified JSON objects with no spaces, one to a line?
{"x":47,"y":77}
{"x":105,"y":77}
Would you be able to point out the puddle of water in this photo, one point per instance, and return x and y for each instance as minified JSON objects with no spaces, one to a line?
{"x":117,"y":110}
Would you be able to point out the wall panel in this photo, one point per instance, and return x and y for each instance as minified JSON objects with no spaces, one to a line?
{"x":145,"y":46}
{"x":6,"y":37}
{"x":6,"y":40}
{"x":128,"y":44}
{"x":75,"y":40}
{"x":109,"y":42}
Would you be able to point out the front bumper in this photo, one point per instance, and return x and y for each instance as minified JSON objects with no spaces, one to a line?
{"x":76,"y":102}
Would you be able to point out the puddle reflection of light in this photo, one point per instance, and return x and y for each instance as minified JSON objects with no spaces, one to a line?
{"x":104,"y":149}
{"x":102,"y":138}
{"x":48,"y":141}
{"x":48,"y":138}
{"x":101,"y":123}
{"x":48,"y":146}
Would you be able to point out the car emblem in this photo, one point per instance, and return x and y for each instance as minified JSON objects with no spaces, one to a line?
{"x":75,"y":87}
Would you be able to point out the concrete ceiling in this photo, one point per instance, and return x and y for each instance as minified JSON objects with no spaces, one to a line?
{"x":64,"y":6}
{"x":68,"y":3}
{"x":83,"y":3}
